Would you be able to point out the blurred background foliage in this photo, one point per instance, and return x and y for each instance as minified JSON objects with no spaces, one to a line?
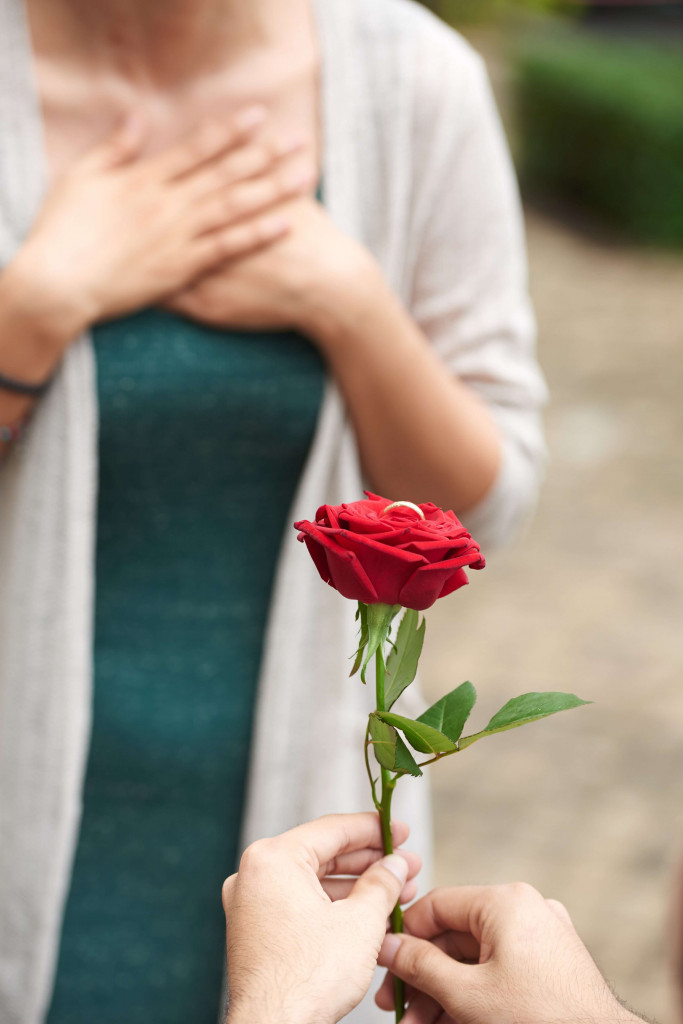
{"x":459,"y":12}
{"x":600,"y":122}
{"x":588,"y":810}
{"x":596,"y":105}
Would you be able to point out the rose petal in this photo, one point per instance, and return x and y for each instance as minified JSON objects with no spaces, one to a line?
{"x":338,"y":566}
{"x":349,"y":577}
{"x":317,"y":553}
{"x":393,"y":558}
{"x":457,"y":580}
{"x":431,"y":582}
{"x":389,"y":568}
{"x":432,"y":551}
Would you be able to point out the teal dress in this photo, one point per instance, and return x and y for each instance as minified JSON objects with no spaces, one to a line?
{"x":203,"y":437}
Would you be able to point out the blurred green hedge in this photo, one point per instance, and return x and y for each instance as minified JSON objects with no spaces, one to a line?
{"x":600,"y":122}
{"x":462,"y":12}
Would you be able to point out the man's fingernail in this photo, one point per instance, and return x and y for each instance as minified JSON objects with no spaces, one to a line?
{"x":389,"y":949}
{"x":397,"y":866}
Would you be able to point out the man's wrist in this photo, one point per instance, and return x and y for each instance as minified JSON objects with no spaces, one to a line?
{"x":260,"y":1013}
{"x":283,"y":1007}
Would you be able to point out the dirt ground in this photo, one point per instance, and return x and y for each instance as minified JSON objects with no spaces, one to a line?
{"x":588,"y":806}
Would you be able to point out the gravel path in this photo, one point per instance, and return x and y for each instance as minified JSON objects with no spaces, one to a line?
{"x":587,"y":806}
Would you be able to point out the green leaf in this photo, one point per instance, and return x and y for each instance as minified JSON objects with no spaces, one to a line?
{"x":403,"y":658}
{"x":527,"y":708}
{"x":389,"y":748}
{"x":450,"y":713}
{"x":362,"y":615}
{"x":421,"y":737}
{"x":379,"y":618}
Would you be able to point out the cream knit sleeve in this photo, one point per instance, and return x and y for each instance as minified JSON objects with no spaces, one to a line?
{"x":469,"y":275}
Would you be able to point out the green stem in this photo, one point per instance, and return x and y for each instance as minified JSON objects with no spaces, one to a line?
{"x":388,"y":786}
{"x":369,"y":769}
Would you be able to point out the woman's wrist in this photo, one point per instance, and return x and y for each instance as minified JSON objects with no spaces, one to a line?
{"x":43,"y":324}
{"x":338,"y":302}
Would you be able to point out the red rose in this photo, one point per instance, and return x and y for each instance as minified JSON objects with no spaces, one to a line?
{"x":376,"y":551}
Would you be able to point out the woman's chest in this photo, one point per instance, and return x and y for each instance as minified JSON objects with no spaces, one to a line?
{"x":80,"y":110}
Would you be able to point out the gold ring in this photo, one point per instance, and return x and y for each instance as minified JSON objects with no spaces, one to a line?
{"x":403,"y":504}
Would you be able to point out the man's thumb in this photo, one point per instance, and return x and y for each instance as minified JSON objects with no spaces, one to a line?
{"x":380,"y":885}
{"x":423,"y":966}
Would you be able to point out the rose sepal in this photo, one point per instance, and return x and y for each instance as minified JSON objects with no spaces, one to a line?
{"x":375,"y":626}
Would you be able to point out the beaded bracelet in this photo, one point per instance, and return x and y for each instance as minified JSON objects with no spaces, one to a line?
{"x":22,"y":387}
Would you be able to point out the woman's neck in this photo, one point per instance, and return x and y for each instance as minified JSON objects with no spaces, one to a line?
{"x":158,"y":42}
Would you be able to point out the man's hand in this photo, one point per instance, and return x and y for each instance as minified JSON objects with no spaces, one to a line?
{"x":302,"y":941}
{"x":496,"y":955}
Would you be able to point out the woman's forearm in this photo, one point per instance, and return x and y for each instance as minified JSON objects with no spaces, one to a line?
{"x":423,"y":435}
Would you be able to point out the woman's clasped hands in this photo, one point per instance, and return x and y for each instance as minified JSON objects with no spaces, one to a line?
{"x":121,"y":230}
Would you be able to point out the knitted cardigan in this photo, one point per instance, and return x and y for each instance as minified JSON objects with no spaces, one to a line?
{"x":416,"y":167}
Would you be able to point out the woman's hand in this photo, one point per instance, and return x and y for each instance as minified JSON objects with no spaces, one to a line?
{"x":118,"y":232}
{"x":496,"y":955}
{"x":303,"y":943}
{"x":296,"y":283}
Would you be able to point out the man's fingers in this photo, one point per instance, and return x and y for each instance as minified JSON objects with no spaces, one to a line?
{"x":465,"y":909}
{"x":561,"y":911}
{"x":422,"y":965}
{"x":459,"y":946}
{"x":384,"y":997}
{"x":360,"y":860}
{"x":380,"y":886}
{"x":456,"y":945}
{"x":327,"y":838}
{"x":228,"y":891}
{"x":423,"y":1010}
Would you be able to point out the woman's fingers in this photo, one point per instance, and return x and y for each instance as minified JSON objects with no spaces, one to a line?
{"x":221,"y":246}
{"x":120,"y":148}
{"x":209,"y":142}
{"x":248,"y":161}
{"x":246,"y":199}
{"x":255,"y":160}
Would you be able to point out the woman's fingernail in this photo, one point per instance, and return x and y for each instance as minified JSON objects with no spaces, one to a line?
{"x":389,"y":949}
{"x":250,"y":117}
{"x":397,"y":866}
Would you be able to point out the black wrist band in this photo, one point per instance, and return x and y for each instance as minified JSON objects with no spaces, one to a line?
{"x":21,"y":387}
